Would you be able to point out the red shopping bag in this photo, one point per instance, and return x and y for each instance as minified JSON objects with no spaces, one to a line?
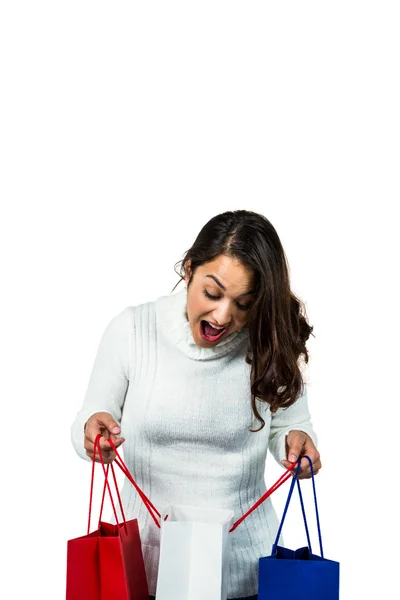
{"x":107,"y":563}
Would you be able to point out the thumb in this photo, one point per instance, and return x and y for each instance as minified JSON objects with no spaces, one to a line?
{"x":109,"y":422}
{"x":294,"y":442}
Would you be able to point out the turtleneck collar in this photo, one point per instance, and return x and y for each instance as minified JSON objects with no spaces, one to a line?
{"x":175,"y":326}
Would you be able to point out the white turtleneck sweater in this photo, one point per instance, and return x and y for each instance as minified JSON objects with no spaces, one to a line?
{"x":184,"y":412}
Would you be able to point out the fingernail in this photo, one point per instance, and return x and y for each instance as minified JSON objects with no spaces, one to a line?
{"x":115,"y":430}
{"x":292,"y":458}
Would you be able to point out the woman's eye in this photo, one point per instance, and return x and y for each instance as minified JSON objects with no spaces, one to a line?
{"x":240,"y":306}
{"x":244,"y":306}
{"x":210,"y":296}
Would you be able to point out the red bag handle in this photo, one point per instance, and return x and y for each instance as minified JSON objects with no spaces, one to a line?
{"x":148,"y":504}
{"x":284,"y":477}
{"x":106,"y":485}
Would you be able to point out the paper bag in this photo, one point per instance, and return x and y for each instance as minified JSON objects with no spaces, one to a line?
{"x":194,"y":553}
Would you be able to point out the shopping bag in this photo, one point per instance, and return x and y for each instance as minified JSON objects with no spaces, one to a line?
{"x":194,"y":553}
{"x":108,"y":562}
{"x":293,"y":574}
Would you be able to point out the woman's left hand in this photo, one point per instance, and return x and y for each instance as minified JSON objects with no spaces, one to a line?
{"x":298,"y":444}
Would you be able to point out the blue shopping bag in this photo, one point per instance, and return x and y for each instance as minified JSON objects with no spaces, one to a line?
{"x":293,"y":574}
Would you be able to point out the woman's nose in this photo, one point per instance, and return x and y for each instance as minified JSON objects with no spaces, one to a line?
{"x":222,"y":315}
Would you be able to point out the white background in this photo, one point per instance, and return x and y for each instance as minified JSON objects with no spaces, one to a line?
{"x":125,"y":126}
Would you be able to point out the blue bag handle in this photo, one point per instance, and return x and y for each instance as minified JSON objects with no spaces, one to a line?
{"x":294,"y":480}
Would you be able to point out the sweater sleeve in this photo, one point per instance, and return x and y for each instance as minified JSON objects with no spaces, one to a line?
{"x":109,"y":379}
{"x":296,"y":416}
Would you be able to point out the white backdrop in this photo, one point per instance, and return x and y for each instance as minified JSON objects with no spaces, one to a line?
{"x":125,"y":126}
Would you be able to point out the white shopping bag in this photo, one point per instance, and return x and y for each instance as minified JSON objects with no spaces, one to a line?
{"x":194,"y":553}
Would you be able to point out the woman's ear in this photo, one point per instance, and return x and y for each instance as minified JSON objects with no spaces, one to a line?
{"x":188,"y":271}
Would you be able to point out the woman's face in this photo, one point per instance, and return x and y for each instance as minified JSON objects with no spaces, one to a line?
{"x":218,"y":299}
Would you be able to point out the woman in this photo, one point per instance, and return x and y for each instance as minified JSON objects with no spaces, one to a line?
{"x":202,"y":383}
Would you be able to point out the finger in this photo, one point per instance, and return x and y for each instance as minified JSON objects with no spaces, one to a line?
{"x":105,"y":447}
{"x":107,"y":453}
{"x":294,"y":444}
{"x":107,"y":421}
{"x":308,"y":474}
{"x":95,"y":428}
{"x":104,"y":426}
{"x":289,"y":465}
{"x":305,"y":472}
{"x":103,"y":442}
{"x":106,"y":458}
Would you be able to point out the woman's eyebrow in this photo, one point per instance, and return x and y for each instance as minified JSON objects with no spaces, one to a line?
{"x":217,"y":281}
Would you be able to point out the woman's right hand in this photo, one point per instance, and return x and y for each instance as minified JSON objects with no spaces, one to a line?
{"x":105,"y":424}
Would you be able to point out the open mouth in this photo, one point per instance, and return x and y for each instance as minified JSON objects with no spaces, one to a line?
{"x":210,"y":333}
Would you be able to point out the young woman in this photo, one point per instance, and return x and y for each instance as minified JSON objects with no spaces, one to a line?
{"x":201,"y":384}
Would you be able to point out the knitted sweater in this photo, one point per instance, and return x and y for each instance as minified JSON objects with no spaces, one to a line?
{"x":184,"y":412}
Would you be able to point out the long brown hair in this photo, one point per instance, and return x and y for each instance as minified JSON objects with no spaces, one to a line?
{"x":277,"y":323}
